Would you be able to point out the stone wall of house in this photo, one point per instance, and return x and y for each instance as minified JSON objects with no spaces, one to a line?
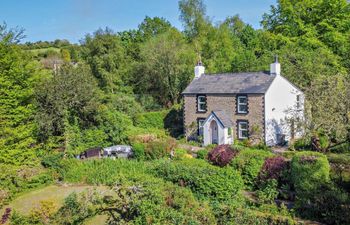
{"x":255,"y":114}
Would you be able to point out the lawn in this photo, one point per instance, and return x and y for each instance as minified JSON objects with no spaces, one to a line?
{"x":29,"y":200}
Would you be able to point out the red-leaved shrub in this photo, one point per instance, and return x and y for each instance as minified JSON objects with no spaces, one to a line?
{"x":273,"y":169}
{"x":221,"y":155}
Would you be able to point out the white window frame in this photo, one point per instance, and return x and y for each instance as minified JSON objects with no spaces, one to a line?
{"x":240,"y":104}
{"x":201,"y":100}
{"x":240,"y":136}
{"x":201,"y":126}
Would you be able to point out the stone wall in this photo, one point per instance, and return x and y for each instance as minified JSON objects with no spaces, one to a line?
{"x":255,"y":115}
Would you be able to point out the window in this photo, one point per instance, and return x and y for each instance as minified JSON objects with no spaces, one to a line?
{"x":229,"y":131}
{"x":200,"y":122}
{"x":242,"y":129}
{"x":298,"y":102}
{"x":201,"y":103}
{"x":242,"y":104}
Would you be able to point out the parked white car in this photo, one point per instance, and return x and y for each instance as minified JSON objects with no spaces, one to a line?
{"x":118,"y":151}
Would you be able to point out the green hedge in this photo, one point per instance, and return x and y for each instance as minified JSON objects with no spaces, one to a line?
{"x":308,"y":170}
{"x":205,"y":180}
{"x":249,"y":163}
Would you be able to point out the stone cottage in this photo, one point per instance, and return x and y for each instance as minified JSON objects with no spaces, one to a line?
{"x":261,"y":106}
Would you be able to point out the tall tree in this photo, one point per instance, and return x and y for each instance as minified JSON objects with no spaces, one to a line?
{"x":194,"y":19}
{"x":166,"y":67}
{"x":105,"y":54}
{"x":327,"y":21}
{"x":70,"y":94}
{"x":18,"y":75}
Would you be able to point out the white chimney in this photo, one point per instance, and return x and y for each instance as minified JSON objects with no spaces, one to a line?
{"x":275,"y":68}
{"x":198,"y":70}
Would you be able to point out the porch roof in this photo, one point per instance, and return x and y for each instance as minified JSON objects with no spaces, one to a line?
{"x":222,"y":117}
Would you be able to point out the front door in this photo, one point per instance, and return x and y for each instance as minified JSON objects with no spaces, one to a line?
{"x":214,"y":132}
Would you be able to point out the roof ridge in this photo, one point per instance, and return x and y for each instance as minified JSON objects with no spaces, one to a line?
{"x":232,"y":73}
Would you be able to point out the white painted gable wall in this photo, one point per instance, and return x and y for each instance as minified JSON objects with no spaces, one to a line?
{"x":279,"y":98}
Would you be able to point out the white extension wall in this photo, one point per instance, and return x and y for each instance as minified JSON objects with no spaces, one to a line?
{"x":280,"y":100}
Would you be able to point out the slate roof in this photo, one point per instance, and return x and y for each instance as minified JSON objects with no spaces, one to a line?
{"x":222,"y":117}
{"x":231,"y":83}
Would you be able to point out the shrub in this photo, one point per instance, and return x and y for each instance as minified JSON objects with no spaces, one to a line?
{"x":78,"y":207}
{"x":159,"y":148}
{"x":17,"y":179}
{"x":327,"y":204}
{"x":268,"y":192}
{"x":264,"y":215}
{"x":221,"y":155}
{"x":249,"y":163}
{"x":102,"y":171}
{"x":202,"y":154}
{"x":151,"y":119}
{"x":309,"y":173}
{"x":153,"y":201}
{"x":205,"y":180}
{"x":301,"y":144}
{"x":52,"y":160}
{"x":180,"y":153}
{"x":272,"y":169}
{"x":308,"y":170}
{"x":139,"y":151}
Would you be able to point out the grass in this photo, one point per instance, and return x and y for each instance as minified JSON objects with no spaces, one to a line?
{"x":29,"y":200}
{"x":96,"y":220}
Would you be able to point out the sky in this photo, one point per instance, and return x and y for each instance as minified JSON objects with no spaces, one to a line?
{"x":48,"y":20}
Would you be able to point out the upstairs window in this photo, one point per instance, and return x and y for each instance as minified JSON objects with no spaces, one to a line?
{"x":242,"y":104}
{"x":298,"y":101}
{"x":201,"y":103}
{"x":200,"y":126}
{"x":243,"y":132}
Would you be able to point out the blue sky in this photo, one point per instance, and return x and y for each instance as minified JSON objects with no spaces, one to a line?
{"x":72,"y":19}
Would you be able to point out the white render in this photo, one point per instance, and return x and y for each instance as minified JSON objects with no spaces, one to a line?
{"x":199,"y":70}
{"x":223,"y":137}
{"x":281,"y":104}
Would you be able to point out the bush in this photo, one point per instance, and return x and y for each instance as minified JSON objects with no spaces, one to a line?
{"x":139,"y":151}
{"x":180,"y":153}
{"x":273,"y":168}
{"x":151,"y":119}
{"x":221,"y":155}
{"x":159,"y":148}
{"x":202,"y":154}
{"x":301,"y":144}
{"x":268,"y":192}
{"x":232,"y":214}
{"x":327,"y":204}
{"x":17,"y":179}
{"x":249,"y":162}
{"x":101,"y":171}
{"x":308,"y":170}
{"x":52,"y":160}
{"x":205,"y":180}
{"x":153,"y":201}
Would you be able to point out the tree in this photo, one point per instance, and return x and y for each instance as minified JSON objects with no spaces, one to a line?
{"x":18,"y":75}
{"x":104,"y":53}
{"x":324,"y":20}
{"x":71,"y":93}
{"x":151,"y":27}
{"x":194,"y":19}
{"x":166,"y":67}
